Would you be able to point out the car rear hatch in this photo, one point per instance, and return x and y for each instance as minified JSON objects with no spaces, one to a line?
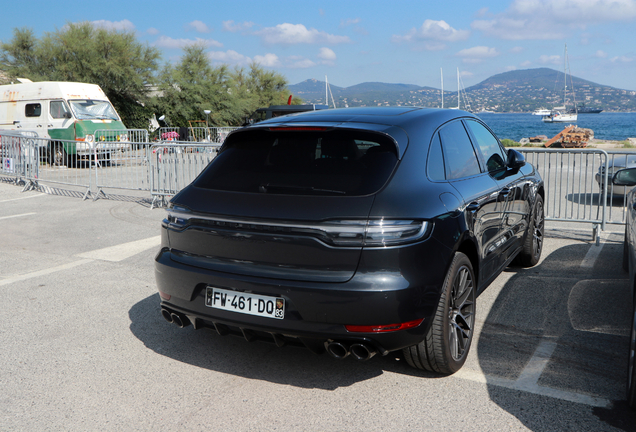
{"x":284,"y":202}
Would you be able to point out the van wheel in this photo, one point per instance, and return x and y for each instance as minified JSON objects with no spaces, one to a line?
{"x":446,"y":346}
{"x":57,"y":155}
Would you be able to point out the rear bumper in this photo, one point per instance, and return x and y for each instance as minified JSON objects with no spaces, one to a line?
{"x":314,"y":312}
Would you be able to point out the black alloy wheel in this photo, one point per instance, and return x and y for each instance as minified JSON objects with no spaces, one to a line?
{"x":447,"y":342}
{"x":631,"y":370}
{"x":533,"y":244}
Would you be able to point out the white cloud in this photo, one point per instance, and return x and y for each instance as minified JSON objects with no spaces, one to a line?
{"x":477,"y":54}
{"x":232,"y":27}
{"x":168,"y":42}
{"x":268,"y":60}
{"x":552,"y":60}
{"x":526,"y":64}
{"x":297,"y":62}
{"x":230,"y":57}
{"x":517,"y":50}
{"x":349,"y":22}
{"x":292,"y":34}
{"x":433,"y":35}
{"x":152,"y":31}
{"x":434,"y":30}
{"x":123,"y":25}
{"x":622,"y":59}
{"x":552,"y":19}
{"x":327,"y":56}
{"x":600,"y":54}
{"x":198,"y":26}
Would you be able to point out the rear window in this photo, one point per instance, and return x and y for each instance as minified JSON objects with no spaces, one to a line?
{"x":334,"y":162}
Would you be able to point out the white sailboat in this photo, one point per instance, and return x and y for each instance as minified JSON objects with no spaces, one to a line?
{"x":460,"y":90}
{"x":561,"y":114}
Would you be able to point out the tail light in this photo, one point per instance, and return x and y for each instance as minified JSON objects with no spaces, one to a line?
{"x":340,"y":233}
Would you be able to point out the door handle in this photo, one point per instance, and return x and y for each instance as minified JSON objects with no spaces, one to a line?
{"x":472,"y":207}
{"x":504,"y":192}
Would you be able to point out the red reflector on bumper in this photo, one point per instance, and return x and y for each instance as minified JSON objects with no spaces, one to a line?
{"x":164,"y":295}
{"x":384,"y":328}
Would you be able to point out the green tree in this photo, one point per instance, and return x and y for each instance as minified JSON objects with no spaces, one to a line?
{"x":81,"y":52}
{"x":193,"y":85}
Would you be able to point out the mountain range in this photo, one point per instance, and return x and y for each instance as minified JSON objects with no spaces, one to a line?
{"x":514,"y":91}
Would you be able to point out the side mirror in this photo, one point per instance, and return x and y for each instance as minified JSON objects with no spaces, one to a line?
{"x":68,"y":115}
{"x":515,"y":159}
{"x":625,"y":177}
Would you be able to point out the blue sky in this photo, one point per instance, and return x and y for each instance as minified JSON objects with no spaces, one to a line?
{"x":352,"y":41}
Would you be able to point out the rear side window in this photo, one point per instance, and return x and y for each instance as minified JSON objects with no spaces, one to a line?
{"x":459,"y":156}
{"x":493,"y":154}
{"x":435,"y":164}
{"x":33,"y":110}
{"x":295,"y":162}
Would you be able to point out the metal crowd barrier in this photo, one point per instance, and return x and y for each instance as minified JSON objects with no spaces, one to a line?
{"x":18,"y":157}
{"x":189,"y":134}
{"x":121,"y":135}
{"x":176,"y":165}
{"x":579,"y":186}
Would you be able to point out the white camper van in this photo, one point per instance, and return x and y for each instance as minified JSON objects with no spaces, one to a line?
{"x":66,"y":111}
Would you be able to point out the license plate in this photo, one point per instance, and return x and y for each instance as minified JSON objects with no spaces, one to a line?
{"x":246,"y":303}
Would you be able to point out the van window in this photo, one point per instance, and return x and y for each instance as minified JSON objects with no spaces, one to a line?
{"x":33,"y":110}
{"x":93,"y":109}
{"x":58,"y":109}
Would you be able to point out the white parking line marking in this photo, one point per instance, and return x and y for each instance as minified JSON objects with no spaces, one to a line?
{"x":43,"y":272}
{"x":592,"y":254}
{"x":532,"y":372}
{"x":529,"y":378}
{"x":15,"y":216}
{"x":22,"y":198}
{"x":121,"y":252}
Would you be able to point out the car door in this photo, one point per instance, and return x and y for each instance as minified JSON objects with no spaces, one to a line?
{"x":511,"y":199}
{"x":479,"y":191}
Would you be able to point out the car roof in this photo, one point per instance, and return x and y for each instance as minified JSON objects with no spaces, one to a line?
{"x":401,"y":123}
{"x":394,"y":116}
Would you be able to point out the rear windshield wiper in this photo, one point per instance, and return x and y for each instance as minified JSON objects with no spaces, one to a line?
{"x":269,"y":187}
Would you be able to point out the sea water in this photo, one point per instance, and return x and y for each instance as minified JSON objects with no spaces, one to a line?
{"x":606,"y":126}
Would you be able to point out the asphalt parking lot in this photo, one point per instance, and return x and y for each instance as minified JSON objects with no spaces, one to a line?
{"x":84,"y":346}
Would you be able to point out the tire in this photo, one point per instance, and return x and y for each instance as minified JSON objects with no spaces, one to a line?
{"x":446,"y":346}
{"x":533,"y":242}
{"x":57,"y":155}
{"x":631,"y":369}
{"x":625,"y":252}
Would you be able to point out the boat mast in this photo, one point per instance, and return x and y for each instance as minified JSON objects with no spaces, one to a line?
{"x":326,"y":91}
{"x":442,"y":76}
{"x":565,"y":77}
{"x":458,"y":94}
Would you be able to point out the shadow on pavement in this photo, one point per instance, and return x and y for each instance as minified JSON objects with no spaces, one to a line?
{"x":584,"y":314}
{"x":288,"y":365}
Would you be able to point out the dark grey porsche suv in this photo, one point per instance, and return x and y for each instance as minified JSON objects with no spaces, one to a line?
{"x":356,"y":231}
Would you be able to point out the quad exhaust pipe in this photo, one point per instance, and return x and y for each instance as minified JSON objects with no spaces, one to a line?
{"x":341,"y":350}
{"x":175,"y":318}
